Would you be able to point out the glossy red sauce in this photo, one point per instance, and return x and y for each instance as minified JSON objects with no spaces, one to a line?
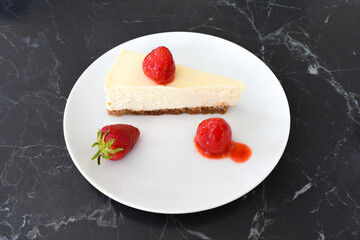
{"x":238,"y":152}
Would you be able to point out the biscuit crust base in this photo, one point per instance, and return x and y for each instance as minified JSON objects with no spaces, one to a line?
{"x":195,"y":110}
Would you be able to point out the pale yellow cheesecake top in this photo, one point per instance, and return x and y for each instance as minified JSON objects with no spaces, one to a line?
{"x":127,"y":72}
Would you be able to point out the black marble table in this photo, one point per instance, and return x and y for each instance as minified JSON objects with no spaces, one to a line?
{"x":313,"y":47}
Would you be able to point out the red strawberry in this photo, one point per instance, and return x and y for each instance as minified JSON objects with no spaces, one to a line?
{"x":214,"y":135}
{"x":159,"y":65}
{"x":115,"y":141}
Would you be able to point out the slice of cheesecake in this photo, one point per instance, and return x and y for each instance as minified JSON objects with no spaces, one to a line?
{"x":130,"y":91}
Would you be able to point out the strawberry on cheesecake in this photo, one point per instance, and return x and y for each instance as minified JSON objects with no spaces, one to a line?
{"x":154,"y":85}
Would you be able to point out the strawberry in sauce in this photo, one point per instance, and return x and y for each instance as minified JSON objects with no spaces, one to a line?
{"x":214,"y":140}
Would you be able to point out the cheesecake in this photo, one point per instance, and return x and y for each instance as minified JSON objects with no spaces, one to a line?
{"x":130,"y":91}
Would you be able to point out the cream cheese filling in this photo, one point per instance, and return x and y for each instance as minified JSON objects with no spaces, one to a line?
{"x":160,"y":97}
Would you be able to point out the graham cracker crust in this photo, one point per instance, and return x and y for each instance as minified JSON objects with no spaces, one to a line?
{"x":196,"y":110}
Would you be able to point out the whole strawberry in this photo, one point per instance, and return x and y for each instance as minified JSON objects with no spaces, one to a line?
{"x":115,"y":141}
{"x":214,"y":135}
{"x":159,"y":65}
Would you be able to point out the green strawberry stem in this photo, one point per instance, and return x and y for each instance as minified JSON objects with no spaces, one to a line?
{"x":105,"y":150}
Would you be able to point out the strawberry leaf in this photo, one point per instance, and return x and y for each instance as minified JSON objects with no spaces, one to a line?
{"x":101,"y":148}
{"x":115,"y":150}
{"x":109,"y":143}
{"x":103,"y":137}
{"x":98,"y":135}
{"x":95,"y":143}
{"x":96,"y":155}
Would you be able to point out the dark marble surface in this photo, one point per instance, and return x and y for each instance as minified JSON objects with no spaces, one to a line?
{"x":313,"y":47}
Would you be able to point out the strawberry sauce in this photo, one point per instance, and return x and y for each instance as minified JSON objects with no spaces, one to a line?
{"x":238,"y":152}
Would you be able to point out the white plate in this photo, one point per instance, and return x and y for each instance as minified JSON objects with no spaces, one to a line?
{"x":164,"y":173}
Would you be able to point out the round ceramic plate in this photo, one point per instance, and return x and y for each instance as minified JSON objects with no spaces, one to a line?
{"x":164,"y":173}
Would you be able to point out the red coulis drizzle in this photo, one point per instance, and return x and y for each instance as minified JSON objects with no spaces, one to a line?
{"x":238,"y":152}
